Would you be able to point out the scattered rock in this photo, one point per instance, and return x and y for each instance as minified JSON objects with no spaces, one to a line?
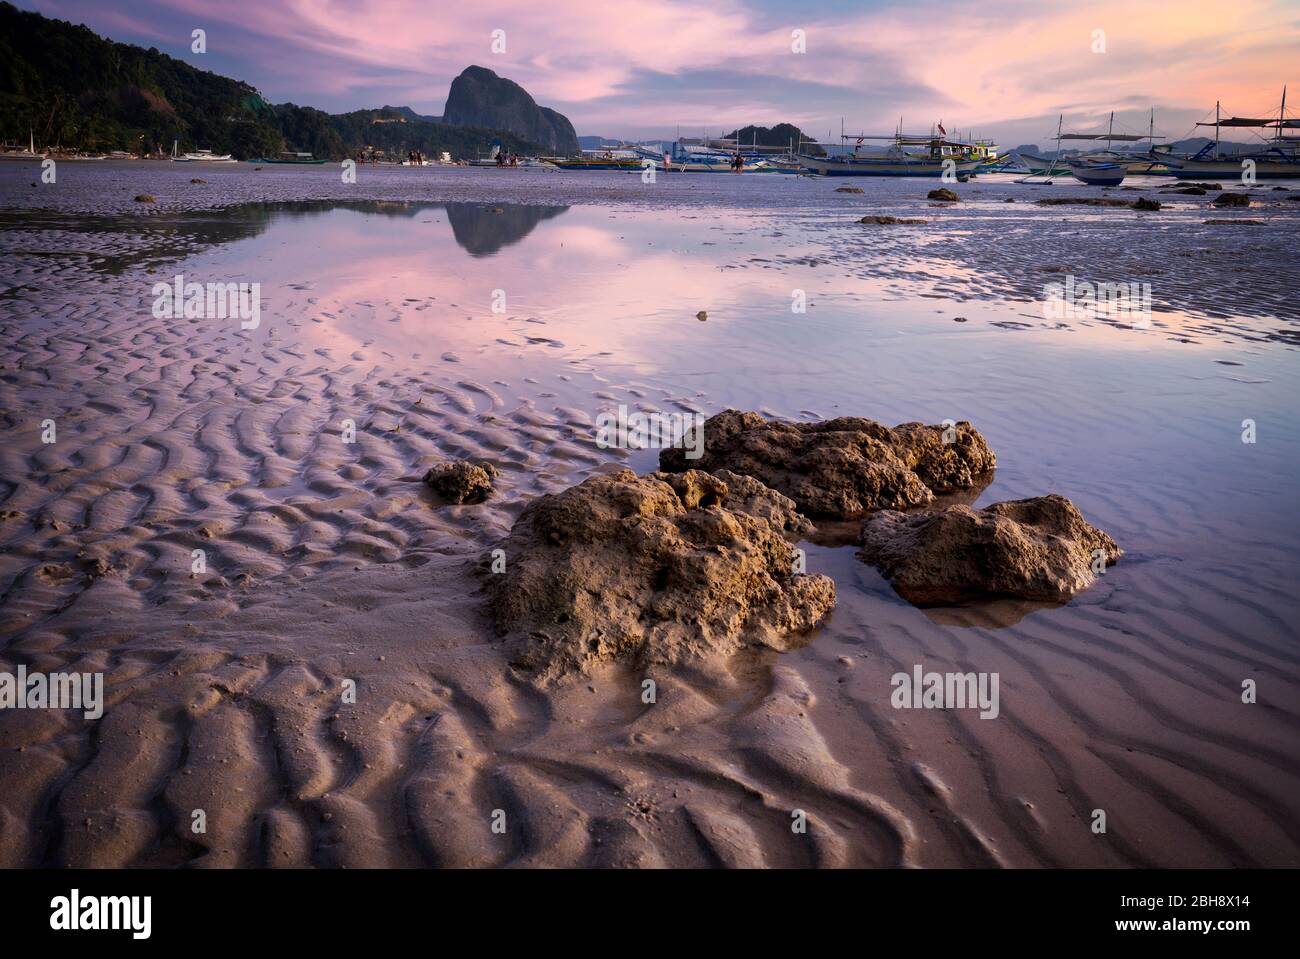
{"x":842,"y":467}
{"x":892,"y":221}
{"x":1242,"y":222}
{"x":1142,"y":203}
{"x":653,"y":569}
{"x":1203,"y":186}
{"x":1232,"y":199}
{"x":702,"y":315}
{"x":1035,"y":549}
{"x":197,"y":180}
{"x":944,"y":194}
{"x":959,"y":319}
{"x":848,"y":189}
{"x":462,"y":482}
{"x":144,"y":198}
{"x":256,"y":168}
{"x":1009,"y":199}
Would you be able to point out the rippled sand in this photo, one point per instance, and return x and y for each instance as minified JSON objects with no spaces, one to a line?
{"x":329,"y":561}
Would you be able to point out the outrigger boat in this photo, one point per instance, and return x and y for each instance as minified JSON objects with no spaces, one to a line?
{"x":1280,"y":159}
{"x":942,"y":156}
{"x":598,"y":160}
{"x":288,"y":156}
{"x":1108,"y":167}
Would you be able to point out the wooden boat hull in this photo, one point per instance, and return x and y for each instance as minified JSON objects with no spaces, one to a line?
{"x":598,"y":164}
{"x":1101,"y":174}
{"x":1231,"y":169}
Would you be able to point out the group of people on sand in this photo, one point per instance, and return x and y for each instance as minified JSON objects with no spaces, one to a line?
{"x":507,"y":159}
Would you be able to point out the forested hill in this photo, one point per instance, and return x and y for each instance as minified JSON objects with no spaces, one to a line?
{"x":75,"y":89}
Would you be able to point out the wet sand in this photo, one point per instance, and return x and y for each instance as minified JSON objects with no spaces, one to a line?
{"x":329,"y":561}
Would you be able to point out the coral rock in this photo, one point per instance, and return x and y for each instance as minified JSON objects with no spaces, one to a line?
{"x":653,"y":569}
{"x":843,"y":467}
{"x":1034,"y":549}
{"x":462,"y":482}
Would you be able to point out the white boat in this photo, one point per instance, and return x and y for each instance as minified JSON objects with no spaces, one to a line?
{"x":18,"y":153}
{"x":200,"y":156}
{"x":1097,"y":173}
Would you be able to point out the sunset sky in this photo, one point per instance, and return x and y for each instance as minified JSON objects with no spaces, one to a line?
{"x":635,"y":69}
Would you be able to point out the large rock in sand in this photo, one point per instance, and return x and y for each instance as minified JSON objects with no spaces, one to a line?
{"x":1036,"y":549}
{"x":843,"y":467}
{"x":653,"y":569}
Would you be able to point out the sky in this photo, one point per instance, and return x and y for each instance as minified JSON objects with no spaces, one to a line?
{"x":647,"y":68}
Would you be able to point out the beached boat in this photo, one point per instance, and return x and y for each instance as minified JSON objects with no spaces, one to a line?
{"x":1278,"y":158}
{"x":289,"y":157}
{"x":1096,"y":173}
{"x":200,"y":156}
{"x":1099,"y":167}
{"x":15,"y":152}
{"x":599,"y":160}
{"x":941,"y":156}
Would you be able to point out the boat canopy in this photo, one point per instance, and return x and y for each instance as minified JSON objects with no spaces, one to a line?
{"x":1253,"y":122}
{"x":1124,"y":137}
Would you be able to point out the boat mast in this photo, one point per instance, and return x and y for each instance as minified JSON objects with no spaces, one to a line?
{"x":1216,"y":129}
{"x":1281,"y":114}
{"x":1109,"y":130}
{"x":1059,"y":121}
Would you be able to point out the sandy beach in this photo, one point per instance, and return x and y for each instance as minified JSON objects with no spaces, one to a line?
{"x":327,"y":565}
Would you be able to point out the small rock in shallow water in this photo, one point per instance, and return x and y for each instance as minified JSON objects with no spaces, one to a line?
{"x":1232,"y":199}
{"x":702,"y":316}
{"x":944,"y":194}
{"x":462,"y":482}
{"x":1145,"y":204}
{"x":848,"y":189}
{"x":1033,"y":549}
{"x":144,"y":198}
